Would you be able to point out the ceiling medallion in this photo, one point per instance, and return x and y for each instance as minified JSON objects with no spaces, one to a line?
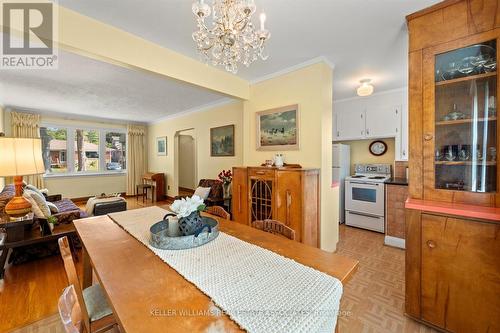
{"x":231,"y":37}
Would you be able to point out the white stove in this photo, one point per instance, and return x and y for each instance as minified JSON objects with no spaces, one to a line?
{"x":365,"y":196}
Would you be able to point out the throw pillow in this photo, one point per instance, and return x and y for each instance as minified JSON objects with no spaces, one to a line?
{"x":34,"y":207}
{"x":33,"y":188}
{"x":53,"y":207}
{"x":40,"y":202}
{"x":202,"y":192}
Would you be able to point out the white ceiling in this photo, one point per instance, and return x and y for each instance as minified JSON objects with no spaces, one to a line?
{"x":362,"y":38}
{"x":86,"y":87}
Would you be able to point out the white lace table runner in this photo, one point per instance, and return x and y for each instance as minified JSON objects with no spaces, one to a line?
{"x":258,"y":289}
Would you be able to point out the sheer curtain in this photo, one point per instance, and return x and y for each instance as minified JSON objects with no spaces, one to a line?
{"x":26,"y":125}
{"x":136,"y":156}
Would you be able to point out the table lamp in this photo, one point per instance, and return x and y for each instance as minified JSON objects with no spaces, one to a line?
{"x":20,"y":157}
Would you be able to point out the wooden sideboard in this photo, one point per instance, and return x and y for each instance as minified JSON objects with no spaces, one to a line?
{"x":289,"y":195}
{"x":452,"y":219}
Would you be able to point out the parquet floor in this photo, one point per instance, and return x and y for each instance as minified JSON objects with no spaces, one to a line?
{"x":373,"y":299}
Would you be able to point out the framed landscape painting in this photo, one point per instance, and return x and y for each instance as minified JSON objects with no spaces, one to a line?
{"x":278,"y":129}
{"x":222,"y":141}
{"x":161,"y":146}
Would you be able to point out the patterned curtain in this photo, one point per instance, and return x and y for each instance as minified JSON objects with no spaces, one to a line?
{"x":136,"y":156}
{"x":26,"y":125}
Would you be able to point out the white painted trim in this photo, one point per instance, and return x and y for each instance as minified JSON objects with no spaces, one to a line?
{"x":394,"y":241}
{"x":196,"y":109}
{"x":294,"y":68}
{"x":384,"y":92}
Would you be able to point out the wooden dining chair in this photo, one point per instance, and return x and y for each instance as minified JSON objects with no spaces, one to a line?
{"x":274,"y":227}
{"x":96,"y":314}
{"x":218,"y":211}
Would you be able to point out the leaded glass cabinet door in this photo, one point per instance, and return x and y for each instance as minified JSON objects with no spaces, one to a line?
{"x":460,"y":124}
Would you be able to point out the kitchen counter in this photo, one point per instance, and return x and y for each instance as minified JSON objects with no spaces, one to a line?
{"x":397,"y":181}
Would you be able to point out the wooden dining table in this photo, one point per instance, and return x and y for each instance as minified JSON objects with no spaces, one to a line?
{"x":147,"y":295}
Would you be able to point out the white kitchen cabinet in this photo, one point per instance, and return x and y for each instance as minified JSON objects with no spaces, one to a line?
{"x":349,"y":124}
{"x":382,"y":121}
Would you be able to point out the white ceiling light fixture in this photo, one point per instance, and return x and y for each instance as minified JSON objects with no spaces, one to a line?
{"x":232,"y":37}
{"x":365,"y":89}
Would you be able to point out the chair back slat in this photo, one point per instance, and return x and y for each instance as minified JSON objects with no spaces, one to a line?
{"x":274,"y":227}
{"x":69,"y":267}
{"x":218,"y":211}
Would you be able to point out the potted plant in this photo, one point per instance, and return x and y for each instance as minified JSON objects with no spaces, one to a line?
{"x":52,"y":220}
{"x":188,"y":212}
{"x":226,"y":177}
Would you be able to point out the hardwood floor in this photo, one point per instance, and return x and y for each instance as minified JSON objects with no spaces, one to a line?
{"x":373,"y":299}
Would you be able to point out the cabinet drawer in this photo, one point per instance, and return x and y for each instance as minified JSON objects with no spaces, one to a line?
{"x":261,"y":173}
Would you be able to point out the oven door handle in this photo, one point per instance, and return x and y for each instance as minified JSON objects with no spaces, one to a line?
{"x":374,"y":184}
{"x":364,"y":214}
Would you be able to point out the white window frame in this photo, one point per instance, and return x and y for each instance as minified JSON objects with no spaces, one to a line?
{"x":70,"y":147}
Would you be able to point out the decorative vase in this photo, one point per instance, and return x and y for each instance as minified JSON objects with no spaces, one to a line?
{"x":190,"y":224}
{"x":227,"y":190}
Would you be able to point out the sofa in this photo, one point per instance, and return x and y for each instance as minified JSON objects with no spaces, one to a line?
{"x":68,"y":211}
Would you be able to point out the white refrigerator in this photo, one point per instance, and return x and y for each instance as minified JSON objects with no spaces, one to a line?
{"x":340,"y":170}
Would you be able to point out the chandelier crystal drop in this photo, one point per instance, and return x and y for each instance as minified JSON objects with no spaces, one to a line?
{"x":231,"y":37}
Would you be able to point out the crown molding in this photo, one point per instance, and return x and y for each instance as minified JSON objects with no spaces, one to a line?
{"x":204,"y":107}
{"x":71,"y":116}
{"x":379,"y":93}
{"x":294,"y":68}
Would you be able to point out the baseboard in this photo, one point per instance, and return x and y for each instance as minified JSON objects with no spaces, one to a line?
{"x":395,"y":241}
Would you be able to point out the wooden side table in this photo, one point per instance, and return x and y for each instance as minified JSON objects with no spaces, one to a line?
{"x":32,"y":236}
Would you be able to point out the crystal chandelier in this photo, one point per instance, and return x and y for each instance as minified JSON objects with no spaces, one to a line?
{"x":232,"y":37}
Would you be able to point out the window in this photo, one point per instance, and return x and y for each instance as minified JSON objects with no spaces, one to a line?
{"x":54,"y":147}
{"x":86,"y":150}
{"x":74,"y":150}
{"x":115,"y":151}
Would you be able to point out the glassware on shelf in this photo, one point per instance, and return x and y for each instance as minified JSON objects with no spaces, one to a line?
{"x":490,"y":65}
{"x":466,"y":65}
{"x":449,"y":155}
{"x":492,"y":151}
{"x":465,"y":128}
{"x":463,"y":155}
{"x":439,"y":155}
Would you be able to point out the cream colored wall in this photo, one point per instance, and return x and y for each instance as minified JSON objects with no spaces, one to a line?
{"x":360,"y":152}
{"x":201,"y":122}
{"x":311,"y":89}
{"x":85,"y":185}
{"x":187,"y":170}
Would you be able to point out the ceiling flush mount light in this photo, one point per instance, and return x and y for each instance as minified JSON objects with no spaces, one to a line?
{"x":365,"y":89}
{"x":231,"y":37}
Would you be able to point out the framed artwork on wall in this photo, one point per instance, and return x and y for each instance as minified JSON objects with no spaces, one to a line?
{"x":278,"y":129}
{"x":222,"y":141}
{"x":161,"y":146}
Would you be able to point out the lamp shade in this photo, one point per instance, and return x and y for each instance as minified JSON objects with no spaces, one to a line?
{"x":20,"y":157}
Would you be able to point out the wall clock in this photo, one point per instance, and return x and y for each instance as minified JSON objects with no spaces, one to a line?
{"x":378,"y":148}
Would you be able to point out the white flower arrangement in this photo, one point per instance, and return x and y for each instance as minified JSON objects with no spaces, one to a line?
{"x":185,"y":206}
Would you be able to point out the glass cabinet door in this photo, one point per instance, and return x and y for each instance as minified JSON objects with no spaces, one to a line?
{"x":466,"y":119}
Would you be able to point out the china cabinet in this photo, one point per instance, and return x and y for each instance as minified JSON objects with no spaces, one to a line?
{"x":453,"y":210}
{"x":289,"y":195}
